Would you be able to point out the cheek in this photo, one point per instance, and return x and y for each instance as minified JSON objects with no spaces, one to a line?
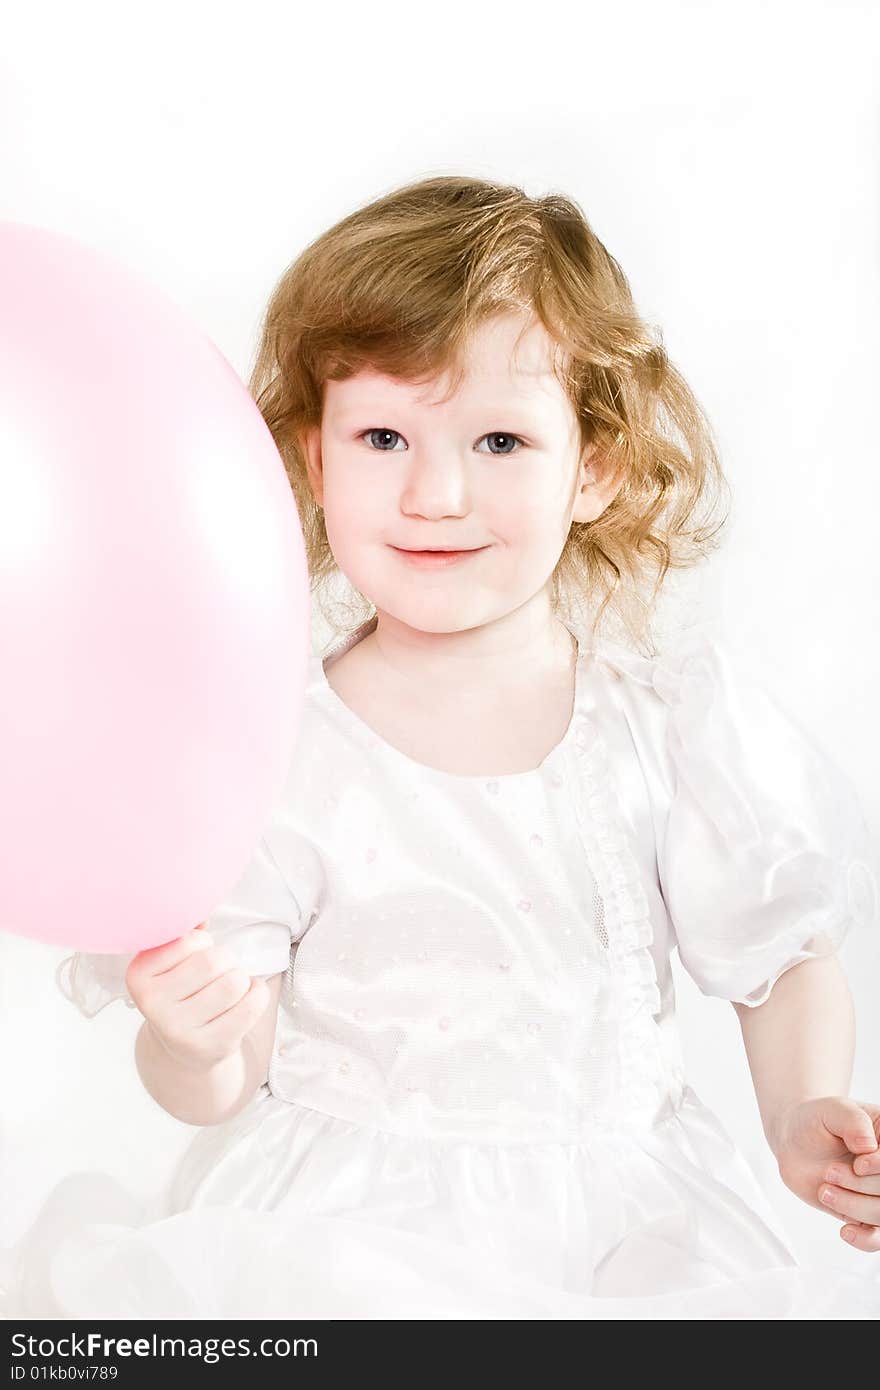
{"x":533,"y":517}
{"x":353,"y":507}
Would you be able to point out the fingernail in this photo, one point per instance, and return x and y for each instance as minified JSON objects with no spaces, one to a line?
{"x":849,"y":1233}
{"x":832,"y":1175}
{"x":827,"y":1195}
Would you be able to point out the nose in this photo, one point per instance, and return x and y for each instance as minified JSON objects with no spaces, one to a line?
{"x":436,"y":485}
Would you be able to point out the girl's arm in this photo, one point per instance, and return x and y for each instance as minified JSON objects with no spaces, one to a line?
{"x":801,"y":1041}
{"x":208,"y":1095}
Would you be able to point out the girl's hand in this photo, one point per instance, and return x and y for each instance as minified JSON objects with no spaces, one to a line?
{"x":831,"y":1144}
{"x":195,"y":998}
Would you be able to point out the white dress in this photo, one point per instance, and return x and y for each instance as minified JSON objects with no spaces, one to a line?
{"x":476,"y":1106}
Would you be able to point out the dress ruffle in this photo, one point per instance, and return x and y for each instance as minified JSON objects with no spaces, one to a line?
{"x":767,"y":859}
{"x":627,"y":920}
{"x":92,"y":981}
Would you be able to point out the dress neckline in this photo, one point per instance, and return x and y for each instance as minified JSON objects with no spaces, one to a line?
{"x":365,"y":730}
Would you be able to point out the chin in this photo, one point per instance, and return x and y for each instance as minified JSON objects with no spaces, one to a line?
{"x":439,"y":619}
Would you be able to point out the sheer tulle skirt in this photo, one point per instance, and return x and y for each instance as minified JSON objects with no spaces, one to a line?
{"x":285,"y":1212}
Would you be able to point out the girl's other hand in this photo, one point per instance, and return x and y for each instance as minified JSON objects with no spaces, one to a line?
{"x":827,"y":1147}
{"x":196,"y":999}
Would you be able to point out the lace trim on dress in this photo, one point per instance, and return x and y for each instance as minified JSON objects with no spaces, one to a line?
{"x":627,"y":919}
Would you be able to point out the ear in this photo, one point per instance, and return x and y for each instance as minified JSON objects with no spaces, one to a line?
{"x":310,"y":444}
{"x":597,"y":486}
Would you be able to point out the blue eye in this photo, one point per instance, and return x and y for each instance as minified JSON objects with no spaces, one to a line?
{"x":382,"y":449}
{"x":387,"y":447}
{"x":508,"y":438}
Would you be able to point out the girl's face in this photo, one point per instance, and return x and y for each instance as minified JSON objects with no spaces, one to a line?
{"x":494,"y":469}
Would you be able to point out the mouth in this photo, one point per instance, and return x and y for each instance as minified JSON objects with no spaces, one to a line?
{"x":437,"y":558}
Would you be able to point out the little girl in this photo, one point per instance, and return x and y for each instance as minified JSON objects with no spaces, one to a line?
{"x":460,"y":1092}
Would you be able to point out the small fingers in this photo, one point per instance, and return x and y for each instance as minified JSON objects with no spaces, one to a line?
{"x":867,"y":1164}
{"x":862,"y":1237}
{"x":843,"y":1176}
{"x":856,"y":1206}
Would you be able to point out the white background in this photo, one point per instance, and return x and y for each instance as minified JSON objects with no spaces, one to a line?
{"x":727,"y":156}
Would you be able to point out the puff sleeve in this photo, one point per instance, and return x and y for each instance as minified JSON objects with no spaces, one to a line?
{"x":259,"y":919}
{"x":766,"y":859}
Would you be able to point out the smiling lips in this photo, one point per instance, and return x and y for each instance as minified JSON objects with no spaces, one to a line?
{"x":434,"y":559}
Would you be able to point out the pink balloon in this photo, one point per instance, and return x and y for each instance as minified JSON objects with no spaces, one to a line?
{"x":154,"y":609}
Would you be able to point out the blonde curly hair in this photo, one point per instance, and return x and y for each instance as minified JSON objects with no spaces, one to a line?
{"x":399,"y":284}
